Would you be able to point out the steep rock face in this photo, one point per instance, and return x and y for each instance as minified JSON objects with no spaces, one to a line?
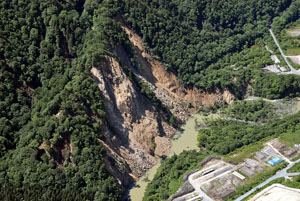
{"x":134,"y":126}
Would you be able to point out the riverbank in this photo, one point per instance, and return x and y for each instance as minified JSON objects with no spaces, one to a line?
{"x":183,"y":140}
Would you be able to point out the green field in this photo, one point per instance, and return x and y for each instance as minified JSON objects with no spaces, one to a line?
{"x":245,"y":152}
{"x":290,"y":138}
{"x":295,"y":168}
{"x":293,"y":51}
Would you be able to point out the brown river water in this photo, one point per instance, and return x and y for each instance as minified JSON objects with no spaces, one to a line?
{"x":187,"y":140}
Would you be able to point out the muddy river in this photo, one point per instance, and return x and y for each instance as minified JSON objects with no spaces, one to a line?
{"x":186,"y":140}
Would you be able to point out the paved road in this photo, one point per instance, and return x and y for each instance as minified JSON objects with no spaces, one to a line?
{"x":293,"y":70}
{"x":280,"y":174}
{"x":196,"y":184}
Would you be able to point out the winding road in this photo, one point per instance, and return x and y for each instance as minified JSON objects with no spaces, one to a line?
{"x":283,"y":172}
{"x":293,"y":70}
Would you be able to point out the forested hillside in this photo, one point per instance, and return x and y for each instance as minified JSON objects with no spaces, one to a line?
{"x":225,"y":136}
{"x":189,"y":36}
{"x":219,"y":44}
{"x":48,"y":98}
{"x":52,"y":114}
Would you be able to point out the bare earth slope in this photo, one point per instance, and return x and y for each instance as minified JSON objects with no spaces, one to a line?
{"x":136,"y":132}
{"x":134,"y":123}
{"x":168,"y":88}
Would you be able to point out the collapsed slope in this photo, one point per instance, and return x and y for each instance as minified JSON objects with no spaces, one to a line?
{"x":136,"y":129}
{"x":60,"y":128}
{"x":138,"y":132}
{"x":167,"y":87}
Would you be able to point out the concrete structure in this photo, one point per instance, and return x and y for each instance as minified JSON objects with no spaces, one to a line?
{"x":259,"y":169}
{"x":225,"y":191}
{"x":272,"y":68}
{"x":293,"y":70}
{"x":279,"y":174}
{"x":278,"y":145}
{"x":251,"y":163}
{"x":282,"y":156}
{"x":268,"y":151}
{"x":247,"y":172}
{"x":283,"y":69}
{"x":277,"y":192}
{"x":275,"y":59}
{"x":219,"y":179}
{"x":289,"y":152}
{"x":261,"y":156}
{"x":239,"y":175}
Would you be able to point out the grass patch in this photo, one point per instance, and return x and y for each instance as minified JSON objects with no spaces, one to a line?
{"x":290,"y":138}
{"x":295,"y":158}
{"x":293,"y":51}
{"x":245,"y":152}
{"x":255,"y":47}
{"x":296,"y":66}
{"x":295,"y":168}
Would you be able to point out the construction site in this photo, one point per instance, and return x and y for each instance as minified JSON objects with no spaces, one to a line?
{"x":217,"y":180}
{"x":277,"y":192}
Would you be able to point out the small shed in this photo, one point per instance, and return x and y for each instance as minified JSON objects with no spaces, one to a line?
{"x":239,"y":175}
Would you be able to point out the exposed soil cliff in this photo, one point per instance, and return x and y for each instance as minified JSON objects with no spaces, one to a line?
{"x":166,"y":86}
{"x":134,"y":127}
{"x":136,"y":132}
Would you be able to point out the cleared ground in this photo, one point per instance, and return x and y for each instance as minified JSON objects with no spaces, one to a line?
{"x":278,"y":192}
{"x":295,"y":59}
{"x":293,"y":32}
{"x":290,"y":138}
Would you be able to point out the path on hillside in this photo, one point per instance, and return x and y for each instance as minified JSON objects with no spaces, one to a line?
{"x":292,"y":69}
{"x":279,"y":174}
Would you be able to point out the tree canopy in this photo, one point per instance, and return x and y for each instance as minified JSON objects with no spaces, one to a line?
{"x":49,"y":103}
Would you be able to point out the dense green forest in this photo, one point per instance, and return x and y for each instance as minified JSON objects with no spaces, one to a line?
{"x":47,"y":97}
{"x":189,"y":36}
{"x":206,"y":43}
{"x":225,"y":136}
{"x":169,"y":175}
{"x":221,"y":138}
{"x":219,"y":44}
{"x":256,"y":110}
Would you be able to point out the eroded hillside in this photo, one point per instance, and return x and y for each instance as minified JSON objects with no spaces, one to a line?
{"x":138,"y":132}
{"x":168,"y":88}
